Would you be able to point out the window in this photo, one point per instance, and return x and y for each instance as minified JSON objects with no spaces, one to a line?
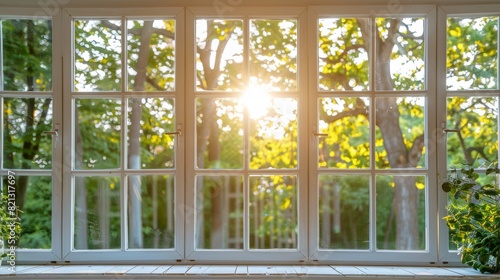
{"x":471,"y":92}
{"x":246,"y":177}
{"x":288,"y":134}
{"x":372,"y":169}
{"x":28,"y":132}
{"x":126,"y":171}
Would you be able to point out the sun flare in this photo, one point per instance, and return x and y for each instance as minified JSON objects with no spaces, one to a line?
{"x":257,"y":101}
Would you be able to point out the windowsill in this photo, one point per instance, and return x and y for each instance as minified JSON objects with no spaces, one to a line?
{"x":236,"y":272}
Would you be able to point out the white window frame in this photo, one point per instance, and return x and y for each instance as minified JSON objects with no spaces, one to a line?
{"x":246,"y":255}
{"x":53,"y":254}
{"x":437,"y":252}
{"x":372,"y":255}
{"x":446,"y":255}
{"x":121,"y":255}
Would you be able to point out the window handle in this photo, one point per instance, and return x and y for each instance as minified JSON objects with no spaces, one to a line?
{"x":446,"y":130}
{"x":54,"y":132}
{"x":174,"y":133}
{"x":178,"y":132}
{"x":320,"y":134}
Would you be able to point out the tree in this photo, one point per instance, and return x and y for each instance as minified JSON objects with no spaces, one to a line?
{"x":27,"y":49}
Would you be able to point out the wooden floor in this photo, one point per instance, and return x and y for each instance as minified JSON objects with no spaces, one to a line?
{"x":75,"y":272}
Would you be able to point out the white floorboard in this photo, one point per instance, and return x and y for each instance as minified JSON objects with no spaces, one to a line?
{"x":178,"y":272}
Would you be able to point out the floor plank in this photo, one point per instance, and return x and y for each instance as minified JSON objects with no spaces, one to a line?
{"x":7,"y":269}
{"x":79,"y":269}
{"x":383,"y":270}
{"x":221,"y":270}
{"x":242,"y":270}
{"x":321,"y":270}
{"x":38,"y":269}
{"x":348,"y":270}
{"x":120,"y":269}
{"x":197,"y":269}
{"x":465,"y":271}
{"x":430,"y":271}
{"x":142,"y":269}
{"x":178,"y":269}
{"x":286,"y":270}
{"x":261,"y":270}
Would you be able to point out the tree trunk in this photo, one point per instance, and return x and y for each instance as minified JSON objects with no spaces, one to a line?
{"x":387,"y":120}
{"x":134,"y":155}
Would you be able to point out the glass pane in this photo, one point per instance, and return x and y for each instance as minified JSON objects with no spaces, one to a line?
{"x":474,"y":140}
{"x":33,"y":197}
{"x":343,"y":54}
{"x":273,"y":54}
{"x":219,"y":216}
{"x":400,"y":139}
{"x":472,"y":53}
{"x":401,"y":213}
{"x":344,"y":127}
{"x":273,"y":133}
{"x":400,"y":54}
{"x":97,"y":223}
{"x":27,"y":54}
{"x":151,"y":211}
{"x":219,"y":133}
{"x":150,"y":120}
{"x":151,"y":55}
{"x":219,"y":57}
{"x":25,"y":146}
{"x":97,"y":133}
{"x":273,"y":212}
{"x":98,"y":50}
{"x":344,"y":212}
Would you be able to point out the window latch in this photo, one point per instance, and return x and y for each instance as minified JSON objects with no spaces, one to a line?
{"x":54,"y":132}
{"x":316,"y":133}
{"x":178,"y":132}
{"x":446,"y":130}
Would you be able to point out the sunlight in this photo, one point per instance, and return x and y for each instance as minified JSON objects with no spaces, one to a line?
{"x":257,"y":101}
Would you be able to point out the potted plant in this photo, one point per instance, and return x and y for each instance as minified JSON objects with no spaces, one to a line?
{"x":474,"y":217}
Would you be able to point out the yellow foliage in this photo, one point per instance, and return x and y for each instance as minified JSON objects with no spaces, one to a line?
{"x":455,"y":32}
{"x":286,"y":204}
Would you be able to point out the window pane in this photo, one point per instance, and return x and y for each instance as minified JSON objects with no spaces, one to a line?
{"x":472,"y":53}
{"x":27,"y":54}
{"x":475,"y":139}
{"x":25,"y":145}
{"x":343,"y":54}
{"x":219,"y":217}
{"x":219,"y":133}
{"x":273,"y":54}
{"x":344,"y":212}
{"x":97,"y":133}
{"x":273,"y":212}
{"x":401,"y":213}
{"x":150,"y":120}
{"x":97,"y":223}
{"x":273,"y":133}
{"x":151,"y":211}
{"x":400,"y":132}
{"x":400,"y":54}
{"x":98,"y":50}
{"x":33,"y":197}
{"x":344,"y":140}
{"x":219,"y":58}
{"x":151,"y":55}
